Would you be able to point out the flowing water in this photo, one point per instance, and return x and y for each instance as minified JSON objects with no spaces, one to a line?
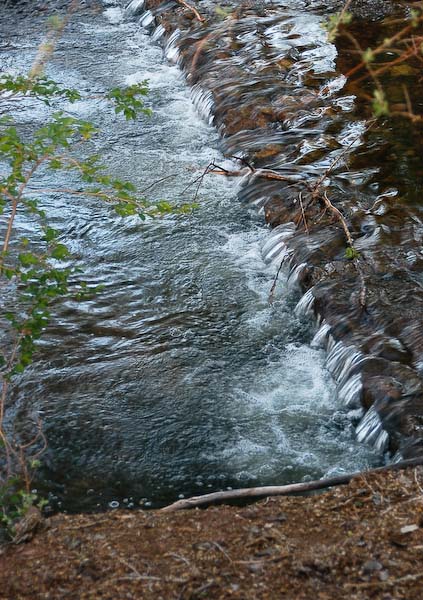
{"x":179,"y":377}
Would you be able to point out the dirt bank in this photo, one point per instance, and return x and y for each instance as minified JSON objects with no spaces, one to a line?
{"x":361,"y":541}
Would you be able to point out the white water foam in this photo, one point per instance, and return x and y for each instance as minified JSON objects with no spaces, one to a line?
{"x":114,"y":15}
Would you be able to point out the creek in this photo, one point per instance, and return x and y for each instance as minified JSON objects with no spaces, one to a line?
{"x":179,"y":377}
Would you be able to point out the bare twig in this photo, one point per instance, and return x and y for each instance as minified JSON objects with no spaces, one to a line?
{"x":243,"y":161}
{"x":157,"y":182}
{"x":300,"y":198}
{"x":275,"y":281}
{"x":335,"y":211}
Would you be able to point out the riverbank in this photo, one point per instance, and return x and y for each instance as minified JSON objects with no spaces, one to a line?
{"x":364,"y":540}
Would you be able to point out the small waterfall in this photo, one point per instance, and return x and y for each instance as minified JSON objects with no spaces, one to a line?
{"x":203,"y":101}
{"x":321,"y":337}
{"x":305,"y":305}
{"x":350,"y":392}
{"x":146,"y":19}
{"x":135,"y":6}
{"x":171,"y":49}
{"x":342,"y":360}
{"x":158,"y":33}
{"x":276,"y":248}
{"x":370,"y":431}
{"x":294,"y":276}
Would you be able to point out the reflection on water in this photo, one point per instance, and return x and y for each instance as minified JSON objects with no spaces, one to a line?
{"x":179,"y":376}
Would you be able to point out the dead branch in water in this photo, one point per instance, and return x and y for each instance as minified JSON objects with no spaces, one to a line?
{"x":285,"y":490}
{"x":192,"y":9}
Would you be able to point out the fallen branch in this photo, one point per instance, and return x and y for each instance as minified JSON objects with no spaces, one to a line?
{"x":285,"y":490}
{"x":192,"y":9}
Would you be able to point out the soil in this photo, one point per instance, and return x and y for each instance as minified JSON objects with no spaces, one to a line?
{"x":364,"y":540}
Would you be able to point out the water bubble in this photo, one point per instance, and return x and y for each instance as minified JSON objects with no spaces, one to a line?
{"x":114,"y":504}
{"x":181,"y":496}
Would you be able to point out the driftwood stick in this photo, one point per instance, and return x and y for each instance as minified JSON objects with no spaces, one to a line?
{"x":285,"y":490}
{"x":192,"y":9}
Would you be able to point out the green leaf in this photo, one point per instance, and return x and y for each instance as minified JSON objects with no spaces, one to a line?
{"x":50,"y":234}
{"x":27,"y":259}
{"x":351,"y":253}
{"x":60,"y":252}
